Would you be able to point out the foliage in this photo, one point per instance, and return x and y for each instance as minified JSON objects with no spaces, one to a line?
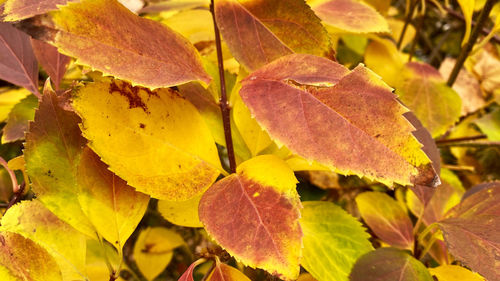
{"x":249,"y":140}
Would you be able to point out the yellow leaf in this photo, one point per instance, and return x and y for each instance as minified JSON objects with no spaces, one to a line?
{"x":450,"y":272}
{"x":155,"y":140}
{"x":9,"y":98}
{"x":196,"y":25}
{"x":97,"y":258}
{"x":153,"y":250}
{"x":183,"y":213}
{"x":467,"y":7}
{"x":113,"y":207}
{"x":396,"y":27}
{"x":383,"y":58}
{"x":65,"y":244}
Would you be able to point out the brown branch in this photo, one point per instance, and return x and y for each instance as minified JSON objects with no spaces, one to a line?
{"x":483,"y":18}
{"x":17,"y":196}
{"x":478,"y":137}
{"x":477,"y":144}
{"x":409,"y":16}
{"x":224,"y":105}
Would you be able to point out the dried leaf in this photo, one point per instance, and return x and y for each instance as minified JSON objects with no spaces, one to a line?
{"x":155,"y":140}
{"x":254,"y":215}
{"x":317,"y":96}
{"x":18,"y":64}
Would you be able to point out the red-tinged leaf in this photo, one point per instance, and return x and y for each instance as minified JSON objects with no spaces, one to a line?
{"x":349,"y":121}
{"x":53,"y":62}
{"x":351,"y":16}
{"x":388,"y":264}
{"x":188,"y":274}
{"x":223,"y":272}
{"x":260,"y":31}
{"x":471,"y":231}
{"x":254,"y":215}
{"x":386,"y":218}
{"x":18,"y":64}
{"x":108,"y":37}
{"x":15,"y":10}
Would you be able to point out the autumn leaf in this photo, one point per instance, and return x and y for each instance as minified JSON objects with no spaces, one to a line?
{"x":99,"y":258}
{"x":183,"y":213}
{"x":23,"y":259}
{"x":123,"y":43}
{"x":52,"y":152}
{"x":386,"y":218}
{"x":386,"y":264}
{"x":188,"y":274}
{"x":9,"y":97}
{"x":153,"y":250}
{"x":254,"y":214}
{"x":53,"y":62}
{"x":223,"y":272}
{"x":333,"y":241}
{"x":15,"y":10}
{"x":350,"y":16}
{"x":154,"y":140}
{"x":113,"y":207}
{"x":490,"y":125}
{"x":64,"y":243}
{"x":318,"y":96}
{"x":450,"y":272}
{"x":259,"y":31}
{"x":467,"y":7}
{"x":471,"y":231}
{"x":18,"y":64}
{"x":17,"y":122}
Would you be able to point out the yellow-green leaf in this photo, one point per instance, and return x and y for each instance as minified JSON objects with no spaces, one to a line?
{"x":254,"y":214}
{"x":65,"y":244}
{"x":23,"y":259}
{"x":155,"y":140}
{"x":333,"y":241}
{"x":9,"y":98}
{"x":193,"y":24}
{"x":467,"y":7}
{"x":99,"y":255}
{"x":19,"y":116}
{"x":450,"y":272}
{"x":113,"y":207}
{"x":183,"y":213}
{"x":223,"y":272}
{"x":153,"y":250}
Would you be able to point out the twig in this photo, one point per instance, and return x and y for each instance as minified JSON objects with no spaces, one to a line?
{"x":420,"y":25}
{"x":483,"y":18}
{"x":224,"y":105}
{"x":472,"y":144}
{"x":409,"y":16}
{"x":17,"y":196}
{"x":478,"y":137}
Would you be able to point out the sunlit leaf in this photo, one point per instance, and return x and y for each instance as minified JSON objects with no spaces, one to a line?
{"x":65,"y":244}
{"x":254,"y":215}
{"x":113,"y":207}
{"x":306,"y":103}
{"x":18,"y":64}
{"x":386,"y":218}
{"x":487,"y":69}
{"x":424,"y":91}
{"x":52,"y":153}
{"x":196,"y":25}
{"x":9,"y":97}
{"x":23,"y":259}
{"x":467,"y":7}
{"x":466,"y":86}
{"x":450,"y":272}
{"x":260,"y":31}
{"x":153,"y":250}
{"x":108,"y":37}
{"x":15,"y":10}
{"x":53,"y":62}
{"x":490,"y":125}
{"x":389,"y":264}
{"x":17,"y":122}
{"x":223,"y":272}
{"x":183,"y":213}
{"x":155,"y":140}
{"x":97,"y":258}
{"x":471,"y":231}
{"x":383,"y":58}
{"x":351,"y":16}
{"x":333,"y":241}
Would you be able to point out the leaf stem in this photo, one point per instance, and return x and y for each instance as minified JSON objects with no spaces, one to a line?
{"x":478,"y":137}
{"x":409,"y":16}
{"x":483,"y":18}
{"x":472,"y":144}
{"x":13,"y":179}
{"x":224,"y":105}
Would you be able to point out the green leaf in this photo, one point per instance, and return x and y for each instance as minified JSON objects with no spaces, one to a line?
{"x":113,"y":207}
{"x":254,"y":215}
{"x":333,"y":241}
{"x":23,"y":259}
{"x":64,"y":243}
{"x":19,"y":117}
{"x":490,"y":125}
{"x":52,"y":154}
{"x":389,"y":264}
{"x":153,"y":250}
{"x":154,"y":140}
{"x":386,"y":218}
{"x":307,"y":103}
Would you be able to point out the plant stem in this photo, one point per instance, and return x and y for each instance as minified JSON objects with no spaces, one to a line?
{"x":224,"y":105}
{"x":483,"y":18}
{"x":420,"y":24}
{"x":409,"y":16}
{"x":478,"y":137}
{"x":472,"y":144}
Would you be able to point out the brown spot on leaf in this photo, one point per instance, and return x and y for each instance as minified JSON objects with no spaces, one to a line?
{"x":132,"y":94}
{"x":142,"y":125}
